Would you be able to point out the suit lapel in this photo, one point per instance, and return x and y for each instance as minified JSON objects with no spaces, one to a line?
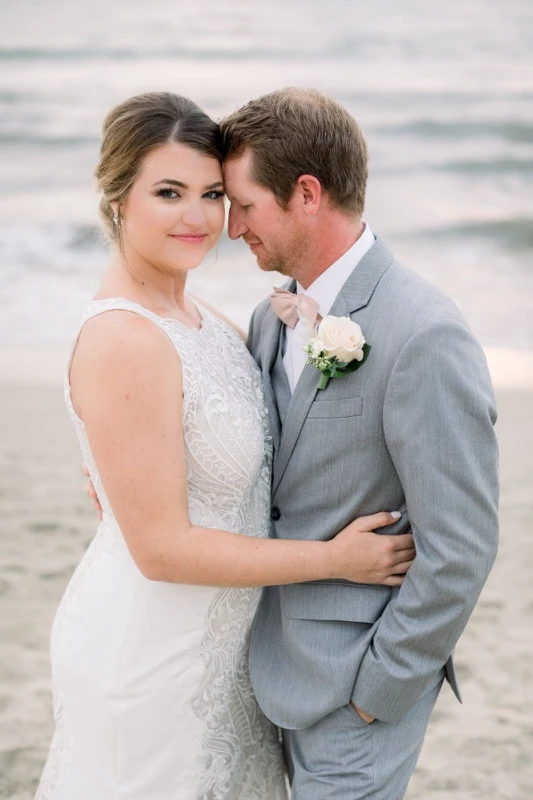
{"x":269,"y":346}
{"x":360,"y":285}
{"x":355,"y":294}
{"x":304,"y":394}
{"x":280,"y":382}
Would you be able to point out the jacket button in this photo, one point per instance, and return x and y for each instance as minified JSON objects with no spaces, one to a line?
{"x":275,"y":514}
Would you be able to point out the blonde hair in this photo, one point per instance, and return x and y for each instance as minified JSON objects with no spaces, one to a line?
{"x":137,"y":126}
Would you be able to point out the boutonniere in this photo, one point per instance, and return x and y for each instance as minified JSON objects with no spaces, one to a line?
{"x":336,"y":348}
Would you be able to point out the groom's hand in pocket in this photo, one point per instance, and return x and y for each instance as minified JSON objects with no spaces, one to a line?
{"x":91,"y":492}
{"x":364,"y":716}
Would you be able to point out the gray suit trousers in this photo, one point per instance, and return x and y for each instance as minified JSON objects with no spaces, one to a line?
{"x":342,"y":757}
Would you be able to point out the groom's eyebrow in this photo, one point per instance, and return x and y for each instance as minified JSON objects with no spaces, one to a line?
{"x":181,"y":185}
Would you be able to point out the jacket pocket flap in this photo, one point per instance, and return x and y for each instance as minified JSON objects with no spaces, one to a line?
{"x":334,"y":601}
{"x":332,"y":409}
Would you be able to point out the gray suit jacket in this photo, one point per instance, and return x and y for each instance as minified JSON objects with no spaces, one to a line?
{"x":411,"y":429}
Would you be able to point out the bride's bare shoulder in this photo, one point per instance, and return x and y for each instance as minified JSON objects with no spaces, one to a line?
{"x":117,"y":338}
{"x":219,"y":314}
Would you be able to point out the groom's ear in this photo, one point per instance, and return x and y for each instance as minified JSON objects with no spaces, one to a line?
{"x":308,"y":191}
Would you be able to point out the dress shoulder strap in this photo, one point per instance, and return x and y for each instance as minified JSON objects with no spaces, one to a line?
{"x":96,"y":307}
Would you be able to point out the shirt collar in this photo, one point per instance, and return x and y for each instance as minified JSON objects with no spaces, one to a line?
{"x":328,"y":285}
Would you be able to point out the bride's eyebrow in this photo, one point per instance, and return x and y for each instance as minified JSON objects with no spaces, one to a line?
{"x":172,"y":182}
{"x":181,"y":185}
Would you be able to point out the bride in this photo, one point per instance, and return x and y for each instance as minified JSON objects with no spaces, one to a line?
{"x":152,"y":697}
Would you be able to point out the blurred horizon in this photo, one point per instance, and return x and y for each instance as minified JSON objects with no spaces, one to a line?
{"x":443,"y":93}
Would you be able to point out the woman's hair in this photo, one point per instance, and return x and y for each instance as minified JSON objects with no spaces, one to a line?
{"x":137,"y":126}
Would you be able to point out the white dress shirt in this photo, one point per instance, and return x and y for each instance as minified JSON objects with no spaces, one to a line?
{"x":324,"y":290}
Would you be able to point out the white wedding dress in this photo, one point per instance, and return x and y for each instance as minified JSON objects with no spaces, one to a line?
{"x":152,"y":696}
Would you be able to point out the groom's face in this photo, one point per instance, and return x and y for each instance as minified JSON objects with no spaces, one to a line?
{"x":273,"y":234}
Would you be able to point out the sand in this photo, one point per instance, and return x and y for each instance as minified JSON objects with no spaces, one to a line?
{"x":483,"y":749}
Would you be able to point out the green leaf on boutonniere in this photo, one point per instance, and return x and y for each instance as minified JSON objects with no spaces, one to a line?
{"x":353,"y":365}
{"x":323,"y":380}
{"x":338,"y":369}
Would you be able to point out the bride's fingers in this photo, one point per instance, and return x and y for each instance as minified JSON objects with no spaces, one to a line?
{"x":403,"y":541}
{"x":405,"y":555}
{"x":394,"y":580}
{"x":402,"y":568}
{"x":380,"y":520}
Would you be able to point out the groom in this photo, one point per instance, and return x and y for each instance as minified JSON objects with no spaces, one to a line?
{"x":351,"y":672}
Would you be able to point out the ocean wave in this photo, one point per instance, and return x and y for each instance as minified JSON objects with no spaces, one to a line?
{"x":513,"y":234}
{"x":12,"y":97}
{"x":20,"y":138}
{"x":490,"y":166}
{"x":510,"y":130}
{"x":139,"y":54}
{"x":59,"y":247}
{"x":496,"y":166}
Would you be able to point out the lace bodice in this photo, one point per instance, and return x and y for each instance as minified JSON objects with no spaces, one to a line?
{"x":227,"y":447}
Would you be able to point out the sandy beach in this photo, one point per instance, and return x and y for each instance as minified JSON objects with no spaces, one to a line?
{"x":483,"y":749}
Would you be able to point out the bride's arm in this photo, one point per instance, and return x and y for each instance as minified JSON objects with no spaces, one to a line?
{"x":127,"y":386}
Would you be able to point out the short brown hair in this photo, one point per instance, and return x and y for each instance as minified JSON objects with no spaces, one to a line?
{"x":139,"y":125}
{"x":293,"y":132}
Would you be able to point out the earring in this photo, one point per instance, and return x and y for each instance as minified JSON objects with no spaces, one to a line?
{"x":116,"y":219}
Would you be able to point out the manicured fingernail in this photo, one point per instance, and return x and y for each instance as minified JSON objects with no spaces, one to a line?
{"x":395,"y":514}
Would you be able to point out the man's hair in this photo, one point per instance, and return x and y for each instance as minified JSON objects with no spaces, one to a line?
{"x":293,"y":132}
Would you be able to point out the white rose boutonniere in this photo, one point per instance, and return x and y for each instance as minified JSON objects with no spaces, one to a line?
{"x":337,"y":348}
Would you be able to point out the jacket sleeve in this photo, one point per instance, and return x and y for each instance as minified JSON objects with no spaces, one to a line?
{"x":438,"y":420}
{"x":254,"y":331}
{"x":251,"y":327}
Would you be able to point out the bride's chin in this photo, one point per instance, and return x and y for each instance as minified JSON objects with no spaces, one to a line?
{"x":187,"y":265}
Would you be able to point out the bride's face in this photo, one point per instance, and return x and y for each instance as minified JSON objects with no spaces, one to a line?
{"x":174,"y":212}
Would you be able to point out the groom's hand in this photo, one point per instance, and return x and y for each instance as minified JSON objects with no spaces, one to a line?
{"x":362,"y":556}
{"x":91,"y":491}
{"x":364,"y":716}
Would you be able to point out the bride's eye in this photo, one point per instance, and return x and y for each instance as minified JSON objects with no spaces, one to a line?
{"x":167,"y":193}
{"x":214,"y":195}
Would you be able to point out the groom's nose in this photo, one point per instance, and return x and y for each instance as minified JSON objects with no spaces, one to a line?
{"x":236,"y":224}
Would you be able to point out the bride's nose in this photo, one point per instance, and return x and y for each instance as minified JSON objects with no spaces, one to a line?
{"x":193,"y":215}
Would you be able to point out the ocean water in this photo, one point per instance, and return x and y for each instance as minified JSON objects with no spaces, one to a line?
{"x":443,"y":90}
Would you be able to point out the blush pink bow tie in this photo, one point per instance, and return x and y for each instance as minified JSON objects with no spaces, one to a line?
{"x":291,"y":308}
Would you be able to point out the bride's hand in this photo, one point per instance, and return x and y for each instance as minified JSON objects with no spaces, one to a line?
{"x":362,"y":556}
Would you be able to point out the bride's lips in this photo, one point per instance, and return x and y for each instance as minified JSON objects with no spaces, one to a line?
{"x":189,"y":238}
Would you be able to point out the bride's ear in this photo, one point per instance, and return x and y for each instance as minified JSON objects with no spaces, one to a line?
{"x":309,"y":190}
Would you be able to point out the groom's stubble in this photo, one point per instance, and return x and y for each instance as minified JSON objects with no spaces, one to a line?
{"x":275,"y":233}
{"x":285,"y":258}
